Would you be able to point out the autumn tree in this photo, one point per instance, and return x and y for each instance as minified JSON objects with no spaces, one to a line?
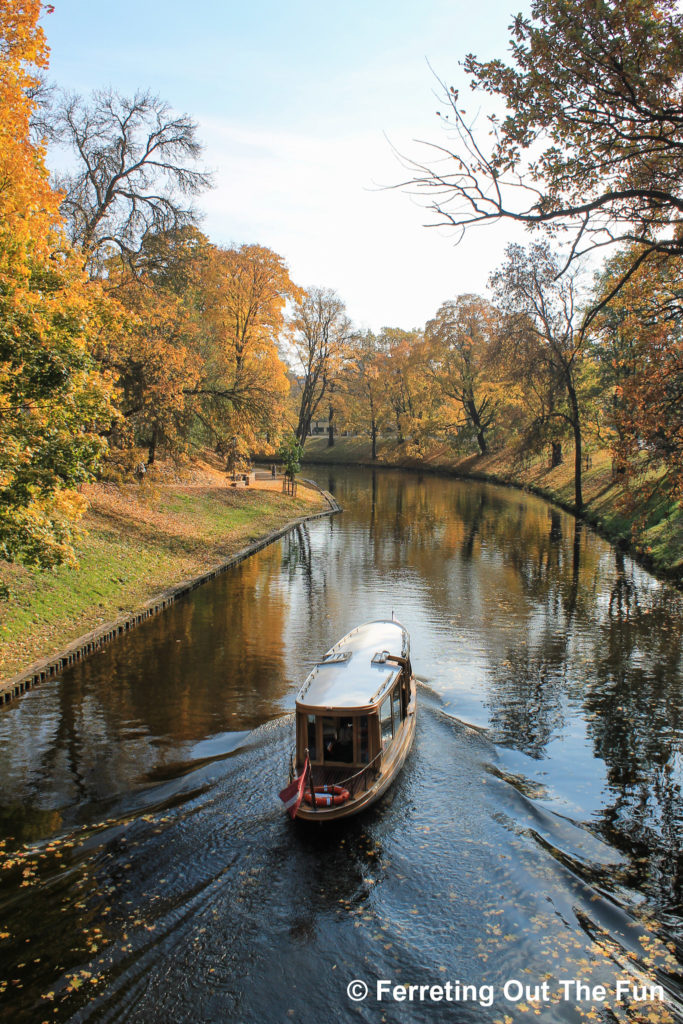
{"x":199,"y":361}
{"x":543,"y":330}
{"x":408,"y":389}
{"x":243,"y":294}
{"x":134,"y":171}
{"x":592,"y":140}
{"x":320,"y":331}
{"x":615,"y":345}
{"x":640,"y":338}
{"x":154,"y":363}
{"x":365,"y":385}
{"x":54,"y":404}
{"x":458,"y":343}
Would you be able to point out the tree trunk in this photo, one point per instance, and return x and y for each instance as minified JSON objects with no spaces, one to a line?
{"x":576,"y":426}
{"x":399,"y":428}
{"x":152,"y":448}
{"x":473,"y":413}
{"x":373,"y":429}
{"x":555,"y":454}
{"x":330,"y":429}
{"x":304,"y":425}
{"x":307,"y":410}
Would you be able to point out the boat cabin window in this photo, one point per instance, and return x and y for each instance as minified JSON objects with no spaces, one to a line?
{"x":311,"y":737}
{"x":363,"y":740}
{"x":396,"y":700}
{"x":386,"y":729}
{"x":338,"y":740}
{"x":343,"y":739}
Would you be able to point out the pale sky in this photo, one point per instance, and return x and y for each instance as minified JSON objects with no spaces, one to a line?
{"x":296,"y":102}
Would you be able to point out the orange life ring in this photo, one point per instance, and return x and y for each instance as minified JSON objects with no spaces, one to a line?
{"x":328,"y":796}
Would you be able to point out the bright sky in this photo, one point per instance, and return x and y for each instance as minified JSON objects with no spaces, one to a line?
{"x":295,"y":102}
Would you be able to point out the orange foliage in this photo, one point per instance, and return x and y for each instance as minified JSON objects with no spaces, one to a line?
{"x":245,"y":291}
{"x":53,"y":402}
{"x":198,"y":358}
{"x":153,"y":362}
{"x":28,"y":206}
{"x":642,"y":333}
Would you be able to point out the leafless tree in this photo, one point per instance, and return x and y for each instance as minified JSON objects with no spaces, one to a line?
{"x":134,"y":172}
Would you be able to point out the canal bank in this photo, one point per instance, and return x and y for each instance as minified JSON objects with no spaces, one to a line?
{"x":652,"y":533}
{"x":141,"y":548}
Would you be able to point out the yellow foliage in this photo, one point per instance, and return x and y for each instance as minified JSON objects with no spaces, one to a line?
{"x":53,"y":401}
{"x":245,"y":290}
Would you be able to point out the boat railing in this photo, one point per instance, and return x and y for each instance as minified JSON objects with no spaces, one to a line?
{"x":364,"y":772}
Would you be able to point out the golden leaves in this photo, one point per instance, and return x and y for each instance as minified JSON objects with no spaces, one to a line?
{"x":54,"y":402}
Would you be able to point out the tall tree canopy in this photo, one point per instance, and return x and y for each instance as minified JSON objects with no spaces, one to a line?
{"x":321,"y":330}
{"x":134,"y":173}
{"x":641,"y":334}
{"x":244,"y":291}
{"x":153,"y":360}
{"x":407,"y":388}
{"x":199,"y":360}
{"x":458,"y":345}
{"x":543,"y":332}
{"x":592,"y":141}
{"x":365,"y":386}
{"x":54,"y":403}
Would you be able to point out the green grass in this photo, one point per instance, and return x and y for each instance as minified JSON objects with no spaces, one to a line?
{"x":352,"y":451}
{"x":135,"y":544}
{"x":214,"y":516}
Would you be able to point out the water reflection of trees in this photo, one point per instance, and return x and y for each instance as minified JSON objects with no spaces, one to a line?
{"x":607,"y":639}
{"x":633,"y":703}
{"x":445,"y":530}
{"x":569,"y":626}
{"x":532,"y":682}
{"x":213,"y":663}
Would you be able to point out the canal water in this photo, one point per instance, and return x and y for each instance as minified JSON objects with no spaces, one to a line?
{"x":526,"y":864}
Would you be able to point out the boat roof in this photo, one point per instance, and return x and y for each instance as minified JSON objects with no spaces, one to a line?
{"x":355,"y":673}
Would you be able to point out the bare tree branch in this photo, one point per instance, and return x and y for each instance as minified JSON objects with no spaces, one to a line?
{"x":134,"y":170}
{"x":591,"y":145}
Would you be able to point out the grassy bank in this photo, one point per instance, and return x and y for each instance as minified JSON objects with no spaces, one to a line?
{"x":653,"y":533}
{"x":137,"y":540}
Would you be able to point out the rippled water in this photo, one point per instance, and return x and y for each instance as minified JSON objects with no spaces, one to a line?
{"x":533,"y":839}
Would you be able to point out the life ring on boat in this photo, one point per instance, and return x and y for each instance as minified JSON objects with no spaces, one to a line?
{"x":328,"y":796}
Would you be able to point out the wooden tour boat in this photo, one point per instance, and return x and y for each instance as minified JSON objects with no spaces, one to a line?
{"x":355,"y":722}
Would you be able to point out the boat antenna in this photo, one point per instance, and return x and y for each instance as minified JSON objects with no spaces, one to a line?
{"x":393,"y":617}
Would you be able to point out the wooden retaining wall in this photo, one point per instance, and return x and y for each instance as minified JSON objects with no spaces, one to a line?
{"x":48,"y":668}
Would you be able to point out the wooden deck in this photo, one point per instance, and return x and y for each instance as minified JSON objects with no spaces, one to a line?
{"x":323,"y":776}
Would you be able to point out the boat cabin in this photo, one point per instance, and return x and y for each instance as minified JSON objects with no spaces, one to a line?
{"x":352,"y":706}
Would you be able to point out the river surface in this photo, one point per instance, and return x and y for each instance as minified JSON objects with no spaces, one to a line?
{"x":527,"y":863}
